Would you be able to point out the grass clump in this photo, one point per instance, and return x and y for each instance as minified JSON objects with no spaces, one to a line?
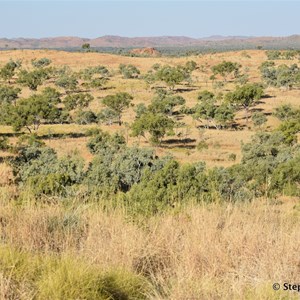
{"x":27,"y":276}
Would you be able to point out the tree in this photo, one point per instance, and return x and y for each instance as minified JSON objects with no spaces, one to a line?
{"x":157,"y":125}
{"x":284,"y":112}
{"x":140,"y":109}
{"x":77,"y":101}
{"x":290,"y":129}
{"x":9,"y":94}
{"x":95,"y":77}
{"x":86,"y":47}
{"x":31,"y":112}
{"x":224,"y":115}
{"x":205,"y":110}
{"x":226,"y":68}
{"x":128,"y":166}
{"x":88,"y":73}
{"x":33,"y":79}
{"x":129,"y":71}
{"x":165,"y":104}
{"x":84,"y":117}
{"x":191,"y":65}
{"x":245,"y":96}
{"x":41,"y":63}
{"x":281,"y":76}
{"x":205,"y":96}
{"x":68,"y":82}
{"x":118,"y":103}
{"x":261,"y":156}
{"x":8,"y":70}
{"x":259,"y":119}
{"x":108,"y":116}
{"x":172,"y":75}
{"x":102,"y":142}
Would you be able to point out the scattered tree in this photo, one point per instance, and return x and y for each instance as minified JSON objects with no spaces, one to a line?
{"x":118,"y":103}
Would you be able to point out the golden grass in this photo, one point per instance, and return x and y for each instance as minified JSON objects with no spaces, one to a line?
{"x":218,"y":251}
{"x":221,"y":143}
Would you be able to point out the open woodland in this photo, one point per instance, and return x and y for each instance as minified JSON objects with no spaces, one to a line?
{"x":135,"y":177}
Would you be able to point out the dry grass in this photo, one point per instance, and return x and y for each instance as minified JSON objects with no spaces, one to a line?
{"x":221,"y":143}
{"x":200,"y":252}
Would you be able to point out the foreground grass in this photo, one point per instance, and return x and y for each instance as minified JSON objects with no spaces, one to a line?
{"x":27,"y":276}
{"x":199,"y":252}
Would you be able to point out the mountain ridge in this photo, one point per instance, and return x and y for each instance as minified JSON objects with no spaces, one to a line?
{"x":155,"y":41}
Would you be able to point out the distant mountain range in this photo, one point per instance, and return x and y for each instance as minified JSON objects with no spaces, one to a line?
{"x":239,"y":42}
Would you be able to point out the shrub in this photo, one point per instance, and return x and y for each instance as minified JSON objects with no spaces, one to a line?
{"x":84,"y":117}
{"x":42,"y":62}
{"x":129,"y":71}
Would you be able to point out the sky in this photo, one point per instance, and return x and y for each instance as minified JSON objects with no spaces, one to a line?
{"x":91,"y":19}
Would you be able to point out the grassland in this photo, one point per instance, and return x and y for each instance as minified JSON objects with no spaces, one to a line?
{"x":73,"y":249}
{"x":198,"y":252}
{"x":221,"y":143}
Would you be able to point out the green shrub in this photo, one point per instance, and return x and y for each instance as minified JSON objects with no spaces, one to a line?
{"x":84,"y":117}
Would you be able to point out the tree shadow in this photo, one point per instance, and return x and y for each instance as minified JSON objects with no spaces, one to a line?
{"x":267,"y":96}
{"x":179,"y":143}
{"x":73,"y":135}
{"x":184,"y":89}
{"x":11,"y":134}
{"x":256,"y":110}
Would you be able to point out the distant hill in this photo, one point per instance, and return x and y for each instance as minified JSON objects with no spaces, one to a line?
{"x":233,"y":42}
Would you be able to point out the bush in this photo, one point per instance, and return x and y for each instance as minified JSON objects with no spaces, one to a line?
{"x":259,"y":119}
{"x":42,"y":62}
{"x":129,"y":71}
{"x":40,"y":169}
{"x":85,"y":117}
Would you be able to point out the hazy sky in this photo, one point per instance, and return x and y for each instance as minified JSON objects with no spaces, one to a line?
{"x":148,"y":18}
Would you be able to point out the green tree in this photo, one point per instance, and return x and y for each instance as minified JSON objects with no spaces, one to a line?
{"x":41,"y":63}
{"x":290,"y":129}
{"x":285,"y":112}
{"x":224,"y":115}
{"x":191,"y":65}
{"x":9,"y":94}
{"x":165,"y":103}
{"x":108,"y":116}
{"x":261,"y":156}
{"x":245,"y":96}
{"x":259,"y":119}
{"x":118,"y":103}
{"x":68,"y":82}
{"x":172,"y":75}
{"x":34,"y":78}
{"x":32,"y":112}
{"x":84,"y":117}
{"x":140,"y":109}
{"x":226,"y":68}
{"x":8,"y":70}
{"x":77,"y":101}
{"x":205,"y":96}
{"x":129,"y":71}
{"x":86,"y":47}
{"x":157,"y":125}
{"x":102,"y":142}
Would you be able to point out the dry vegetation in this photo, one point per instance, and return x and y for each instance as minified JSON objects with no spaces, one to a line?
{"x":221,"y":143}
{"x":193,"y":251}
{"x":198,"y":252}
